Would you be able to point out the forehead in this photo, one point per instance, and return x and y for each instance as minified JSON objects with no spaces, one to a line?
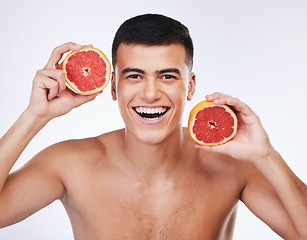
{"x":151,"y":57}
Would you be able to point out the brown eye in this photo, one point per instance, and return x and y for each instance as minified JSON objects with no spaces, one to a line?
{"x":168,"y":77}
{"x":134,"y":76}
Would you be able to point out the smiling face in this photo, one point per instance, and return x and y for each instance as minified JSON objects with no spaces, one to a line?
{"x":151,"y":84}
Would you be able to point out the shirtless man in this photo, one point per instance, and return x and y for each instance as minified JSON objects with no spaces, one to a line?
{"x":149,"y":180}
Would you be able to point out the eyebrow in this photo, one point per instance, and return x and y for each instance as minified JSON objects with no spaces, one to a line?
{"x":168,"y":70}
{"x":127,"y":70}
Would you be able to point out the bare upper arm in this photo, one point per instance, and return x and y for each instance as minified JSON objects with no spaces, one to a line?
{"x":32,"y":187}
{"x":260,"y":197}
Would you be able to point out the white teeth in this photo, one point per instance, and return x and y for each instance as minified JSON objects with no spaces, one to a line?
{"x":152,"y":118}
{"x":151,"y":110}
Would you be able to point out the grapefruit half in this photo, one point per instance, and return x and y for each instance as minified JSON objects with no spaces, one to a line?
{"x":87,"y":71}
{"x":212,"y":125}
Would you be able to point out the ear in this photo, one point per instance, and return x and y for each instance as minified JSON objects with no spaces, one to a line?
{"x":113,"y":86}
{"x":191,"y":87}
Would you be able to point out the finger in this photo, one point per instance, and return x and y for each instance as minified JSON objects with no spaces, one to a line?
{"x":88,"y":45}
{"x":59,"y":65}
{"x":50,"y":86}
{"x":51,"y":80}
{"x":57,"y":75}
{"x":221,"y":98}
{"x":81,"y":99}
{"x":58,"y":52}
{"x":217,"y":96}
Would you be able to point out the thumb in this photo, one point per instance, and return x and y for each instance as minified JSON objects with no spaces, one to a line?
{"x":213,"y":149}
{"x":81,"y":99}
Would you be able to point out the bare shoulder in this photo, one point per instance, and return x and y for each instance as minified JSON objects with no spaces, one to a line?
{"x":59,"y":171}
{"x":64,"y":154}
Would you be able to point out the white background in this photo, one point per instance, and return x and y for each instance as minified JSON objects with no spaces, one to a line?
{"x":254,"y":50}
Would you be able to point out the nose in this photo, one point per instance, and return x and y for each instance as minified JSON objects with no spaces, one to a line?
{"x":151,"y":90}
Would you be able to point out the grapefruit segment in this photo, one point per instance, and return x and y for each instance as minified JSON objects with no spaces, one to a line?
{"x":212,"y":125}
{"x":87,"y":71}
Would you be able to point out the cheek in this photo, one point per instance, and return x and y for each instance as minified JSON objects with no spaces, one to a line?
{"x":122,"y":90}
{"x":125,"y":94}
{"x":178,"y":92}
{"x":178,"y":96}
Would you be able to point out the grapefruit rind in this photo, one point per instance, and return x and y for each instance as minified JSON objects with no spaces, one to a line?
{"x":206,"y":104}
{"x":73,"y":86}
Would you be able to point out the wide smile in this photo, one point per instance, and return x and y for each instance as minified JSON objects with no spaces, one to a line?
{"x":151,"y":113}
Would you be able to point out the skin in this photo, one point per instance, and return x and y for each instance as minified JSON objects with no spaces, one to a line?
{"x":149,"y":180}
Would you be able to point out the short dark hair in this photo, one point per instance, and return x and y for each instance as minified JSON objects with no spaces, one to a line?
{"x":153,"y":30}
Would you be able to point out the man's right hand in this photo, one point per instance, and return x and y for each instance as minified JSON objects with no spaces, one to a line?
{"x":50,"y":98}
{"x":21,"y":192}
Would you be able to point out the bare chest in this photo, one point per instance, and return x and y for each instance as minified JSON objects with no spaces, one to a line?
{"x":192,"y":208}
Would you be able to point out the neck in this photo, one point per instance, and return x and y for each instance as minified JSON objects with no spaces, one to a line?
{"x":152,"y":159}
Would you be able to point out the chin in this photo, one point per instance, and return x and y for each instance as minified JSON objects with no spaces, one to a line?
{"x":150,"y":137}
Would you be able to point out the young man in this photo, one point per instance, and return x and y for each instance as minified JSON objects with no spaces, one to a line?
{"x":149,"y":180}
